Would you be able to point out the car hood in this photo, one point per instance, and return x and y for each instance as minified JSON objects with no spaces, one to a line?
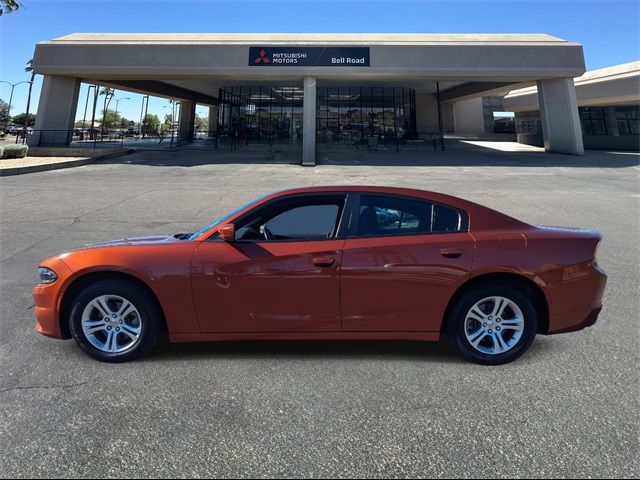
{"x":124,"y":242}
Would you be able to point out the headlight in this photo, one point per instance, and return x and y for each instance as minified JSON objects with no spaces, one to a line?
{"x":47,"y":275}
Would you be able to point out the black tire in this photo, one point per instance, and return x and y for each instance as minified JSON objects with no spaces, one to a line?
{"x":150,"y":319}
{"x":456,"y":323}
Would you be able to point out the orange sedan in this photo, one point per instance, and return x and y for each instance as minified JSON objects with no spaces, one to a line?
{"x":330,"y":263}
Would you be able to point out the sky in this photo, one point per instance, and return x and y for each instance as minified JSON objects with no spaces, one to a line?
{"x":607,"y":29}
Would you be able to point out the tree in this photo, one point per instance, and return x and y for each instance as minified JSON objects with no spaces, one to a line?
{"x":21,"y":119}
{"x":8,"y":6}
{"x":108,"y":95}
{"x":29,"y":69}
{"x":168,"y":122}
{"x":4,"y":112}
{"x":202,"y":123}
{"x":110,"y":119}
{"x":150,"y":124}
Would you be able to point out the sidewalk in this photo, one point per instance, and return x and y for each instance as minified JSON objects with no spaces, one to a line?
{"x":30,"y":164}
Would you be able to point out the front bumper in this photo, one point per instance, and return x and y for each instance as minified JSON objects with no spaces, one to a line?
{"x":47,"y":299}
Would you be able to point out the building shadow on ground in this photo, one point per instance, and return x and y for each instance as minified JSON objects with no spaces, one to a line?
{"x":456,"y":154}
{"x":460,"y":154}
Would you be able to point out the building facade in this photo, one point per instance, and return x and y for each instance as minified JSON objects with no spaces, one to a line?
{"x":313,"y":88}
{"x":608,"y":107}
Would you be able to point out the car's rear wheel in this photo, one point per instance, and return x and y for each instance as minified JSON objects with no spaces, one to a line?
{"x":493,"y":324}
{"x":114,"y":321}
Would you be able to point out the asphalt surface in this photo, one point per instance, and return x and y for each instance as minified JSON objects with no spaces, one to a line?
{"x":568,"y":408}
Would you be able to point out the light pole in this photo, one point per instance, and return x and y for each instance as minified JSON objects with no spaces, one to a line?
{"x":175,"y":103}
{"x":202,"y":116}
{"x":116,"y":118}
{"x":124,"y":98}
{"x":172,"y":105}
{"x":13,"y":85}
{"x":86,"y":104}
{"x":145,"y":99}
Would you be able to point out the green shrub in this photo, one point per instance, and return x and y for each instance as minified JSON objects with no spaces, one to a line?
{"x":14,"y":151}
{"x":1,"y":150}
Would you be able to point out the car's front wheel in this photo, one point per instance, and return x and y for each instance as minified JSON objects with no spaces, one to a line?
{"x":493,"y":324}
{"x":114,"y":321}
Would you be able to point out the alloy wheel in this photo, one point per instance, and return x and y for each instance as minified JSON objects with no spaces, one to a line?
{"x":494,"y":325}
{"x":111,"y":323}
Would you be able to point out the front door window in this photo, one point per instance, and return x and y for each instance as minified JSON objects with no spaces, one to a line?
{"x":297,"y":218}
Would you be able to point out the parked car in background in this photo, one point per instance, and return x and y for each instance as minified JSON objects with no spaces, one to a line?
{"x":21,"y":133}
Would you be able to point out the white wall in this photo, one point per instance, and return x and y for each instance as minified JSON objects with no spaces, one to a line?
{"x":426,"y":113}
{"x":469,"y":117}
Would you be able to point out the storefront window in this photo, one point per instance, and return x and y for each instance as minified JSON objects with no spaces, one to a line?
{"x":345,"y":114}
{"x":348,"y":115}
{"x":628,"y":119}
{"x":261,"y":114}
{"x":529,"y":127}
{"x":592,"y":120}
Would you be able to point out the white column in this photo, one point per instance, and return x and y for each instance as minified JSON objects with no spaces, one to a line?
{"x":56,"y":111}
{"x":559,"y":116}
{"x":187,"y":120}
{"x":309,"y":123}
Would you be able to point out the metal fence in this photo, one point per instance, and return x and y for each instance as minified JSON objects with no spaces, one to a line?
{"x":387,"y":141}
{"x":97,"y":139}
{"x":229,"y":141}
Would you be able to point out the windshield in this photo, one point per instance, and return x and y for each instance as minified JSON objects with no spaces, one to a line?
{"x":220,"y":220}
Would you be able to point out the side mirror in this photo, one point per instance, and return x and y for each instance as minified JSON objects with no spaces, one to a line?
{"x":227,"y":232}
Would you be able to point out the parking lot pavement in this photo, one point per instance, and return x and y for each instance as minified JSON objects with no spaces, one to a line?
{"x":381,"y":409}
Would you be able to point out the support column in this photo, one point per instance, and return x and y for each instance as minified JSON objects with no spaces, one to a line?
{"x":559,"y":116}
{"x":213,"y":122}
{"x":187,"y":120}
{"x":56,"y":111}
{"x":309,"y":123}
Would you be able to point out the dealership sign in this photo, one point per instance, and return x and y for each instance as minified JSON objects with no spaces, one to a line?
{"x":309,"y":56}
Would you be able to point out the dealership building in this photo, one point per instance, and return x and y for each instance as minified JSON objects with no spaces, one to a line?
{"x":309,"y":89}
{"x":608,"y":107}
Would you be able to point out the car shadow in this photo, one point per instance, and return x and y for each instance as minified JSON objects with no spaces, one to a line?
{"x":325,"y":349}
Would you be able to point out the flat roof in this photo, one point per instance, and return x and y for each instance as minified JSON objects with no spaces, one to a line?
{"x":601,"y":75}
{"x":199,"y":63}
{"x":311,"y":39}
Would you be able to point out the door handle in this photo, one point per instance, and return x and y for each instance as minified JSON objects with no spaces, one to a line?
{"x":323,"y":261}
{"x":451,"y":252}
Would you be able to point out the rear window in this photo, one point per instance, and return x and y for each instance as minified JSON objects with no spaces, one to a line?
{"x":386,"y":215}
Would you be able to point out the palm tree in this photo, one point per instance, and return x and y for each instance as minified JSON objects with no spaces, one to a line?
{"x":8,"y":6}
{"x":108,"y":95}
{"x":29,"y":69}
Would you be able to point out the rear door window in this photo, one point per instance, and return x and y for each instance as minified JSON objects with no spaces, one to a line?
{"x":381,"y":215}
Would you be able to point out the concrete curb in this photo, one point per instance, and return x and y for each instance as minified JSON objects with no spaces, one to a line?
{"x":5,"y":172}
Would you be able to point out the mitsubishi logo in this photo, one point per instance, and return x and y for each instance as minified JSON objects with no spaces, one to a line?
{"x":262,"y":58}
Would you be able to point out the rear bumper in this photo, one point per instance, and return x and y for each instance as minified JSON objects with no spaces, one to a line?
{"x":576,"y":304}
{"x":589,"y":321}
